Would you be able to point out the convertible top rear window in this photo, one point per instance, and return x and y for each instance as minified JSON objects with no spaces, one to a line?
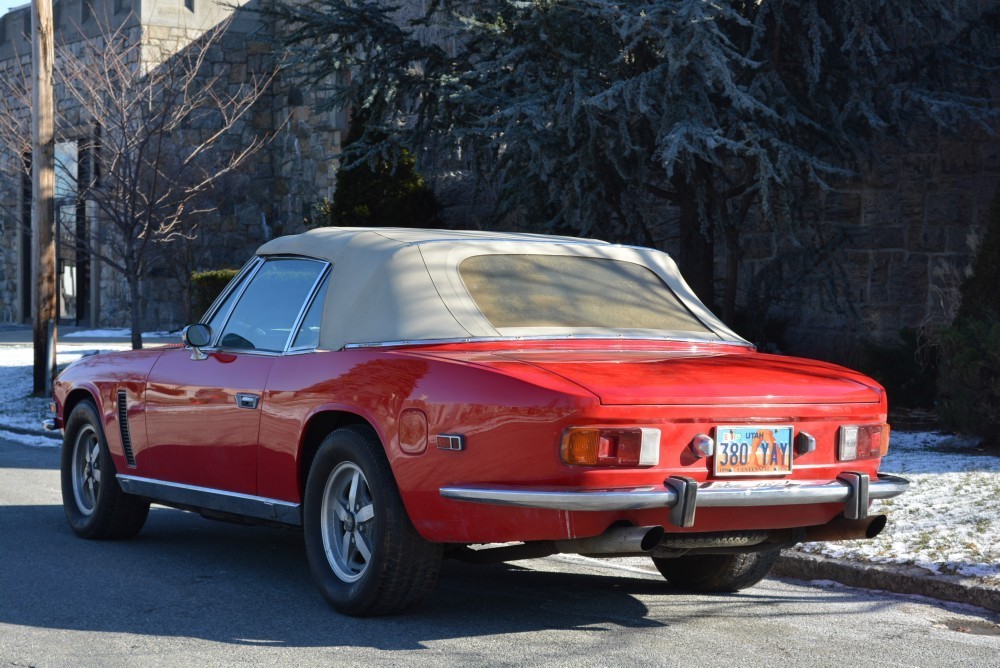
{"x":569,"y":291}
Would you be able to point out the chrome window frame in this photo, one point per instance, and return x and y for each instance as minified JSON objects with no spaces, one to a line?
{"x":260,"y":262}
{"x":313,"y":294}
{"x":546,"y":337}
{"x":239,"y":283}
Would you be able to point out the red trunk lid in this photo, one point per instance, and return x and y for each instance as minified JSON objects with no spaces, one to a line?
{"x":674,"y":378}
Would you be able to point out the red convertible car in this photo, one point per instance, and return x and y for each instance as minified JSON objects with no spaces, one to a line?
{"x":410,"y":395}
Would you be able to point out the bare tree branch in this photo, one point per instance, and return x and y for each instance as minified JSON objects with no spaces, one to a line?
{"x":161,"y":137}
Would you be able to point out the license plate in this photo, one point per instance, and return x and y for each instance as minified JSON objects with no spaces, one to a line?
{"x":754,"y":450}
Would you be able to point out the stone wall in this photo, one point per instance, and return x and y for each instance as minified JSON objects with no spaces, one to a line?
{"x":895,"y":245}
{"x":14,"y":124}
{"x":278,"y":190}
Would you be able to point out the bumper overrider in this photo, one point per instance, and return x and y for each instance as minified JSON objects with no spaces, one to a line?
{"x":683,"y":496}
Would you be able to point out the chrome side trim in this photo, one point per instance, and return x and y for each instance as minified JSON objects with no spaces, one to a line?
{"x":708,"y":495}
{"x":213,"y":499}
{"x":549,"y":337}
{"x":49,"y":424}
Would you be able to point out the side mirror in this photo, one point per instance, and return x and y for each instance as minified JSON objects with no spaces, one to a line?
{"x":197,"y":336}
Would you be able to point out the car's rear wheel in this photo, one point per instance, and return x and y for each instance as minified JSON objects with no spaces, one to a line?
{"x":364,"y":552}
{"x":717,"y":572}
{"x":95,"y":505}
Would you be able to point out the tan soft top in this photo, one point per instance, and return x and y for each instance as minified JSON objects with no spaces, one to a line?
{"x":394,"y":285}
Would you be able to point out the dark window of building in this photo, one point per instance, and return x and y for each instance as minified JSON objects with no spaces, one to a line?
{"x":3,"y":29}
{"x":120,"y":6}
{"x":26,"y":18}
{"x":189,"y":4}
{"x":83,"y":236}
{"x":85,"y":12}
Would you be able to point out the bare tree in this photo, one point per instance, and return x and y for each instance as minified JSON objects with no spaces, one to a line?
{"x":154,"y":140}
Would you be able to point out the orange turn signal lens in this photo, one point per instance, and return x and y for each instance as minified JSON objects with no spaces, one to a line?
{"x":580,"y":446}
{"x":600,"y":446}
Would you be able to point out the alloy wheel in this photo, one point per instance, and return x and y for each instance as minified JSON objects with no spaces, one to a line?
{"x":347,"y":519}
{"x":86,"y":470}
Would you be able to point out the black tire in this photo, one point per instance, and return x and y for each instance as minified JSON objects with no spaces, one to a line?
{"x":95,"y":505}
{"x":363,"y":551}
{"x":717,"y":572}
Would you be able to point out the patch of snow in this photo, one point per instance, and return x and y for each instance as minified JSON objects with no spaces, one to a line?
{"x":949,"y":520}
{"x":33,"y":441}
{"x":825,"y":583}
{"x":113,"y":334}
{"x":17,"y":407}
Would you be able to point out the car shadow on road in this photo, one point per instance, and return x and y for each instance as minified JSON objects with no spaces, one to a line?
{"x":188,"y":577}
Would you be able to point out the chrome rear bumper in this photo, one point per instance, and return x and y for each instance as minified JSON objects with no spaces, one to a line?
{"x":684,"y":495}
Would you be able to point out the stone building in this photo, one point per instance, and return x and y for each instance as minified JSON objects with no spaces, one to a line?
{"x":893,"y":246}
{"x":272,"y":195}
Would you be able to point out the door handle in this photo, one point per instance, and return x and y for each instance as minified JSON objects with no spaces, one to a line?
{"x":250,"y":401}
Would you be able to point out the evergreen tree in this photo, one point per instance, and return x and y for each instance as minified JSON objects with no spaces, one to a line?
{"x":380,"y":192}
{"x":587,"y":113}
{"x":969,"y":369}
{"x":981,"y":290}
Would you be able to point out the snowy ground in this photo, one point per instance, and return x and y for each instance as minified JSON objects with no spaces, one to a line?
{"x":112,"y":333}
{"x":949,"y":522}
{"x":17,"y":407}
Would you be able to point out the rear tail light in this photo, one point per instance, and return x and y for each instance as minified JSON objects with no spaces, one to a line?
{"x":611,"y":446}
{"x":863,"y":441}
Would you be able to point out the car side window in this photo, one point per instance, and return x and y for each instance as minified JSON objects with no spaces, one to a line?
{"x":235,"y":287}
{"x":308,"y":334}
{"x":268,"y":309}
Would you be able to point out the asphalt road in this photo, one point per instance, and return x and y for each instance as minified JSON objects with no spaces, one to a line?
{"x":189,"y":591}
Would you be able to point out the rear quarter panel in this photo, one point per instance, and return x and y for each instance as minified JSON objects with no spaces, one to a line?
{"x":492,"y":409}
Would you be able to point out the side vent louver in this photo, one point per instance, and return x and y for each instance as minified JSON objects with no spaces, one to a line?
{"x":123,"y":425}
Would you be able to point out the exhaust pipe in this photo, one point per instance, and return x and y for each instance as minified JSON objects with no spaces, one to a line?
{"x":845,"y":529}
{"x":615,"y":541}
{"x":619,"y":540}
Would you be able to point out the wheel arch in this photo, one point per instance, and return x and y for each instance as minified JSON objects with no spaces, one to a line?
{"x":318,"y":427}
{"x":75,"y":396}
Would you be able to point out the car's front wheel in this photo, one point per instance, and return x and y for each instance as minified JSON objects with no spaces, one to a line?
{"x":363,"y":551}
{"x":717,"y":572}
{"x":95,"y":505}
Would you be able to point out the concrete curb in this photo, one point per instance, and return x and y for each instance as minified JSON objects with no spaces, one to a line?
{"x":896,"y":579}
